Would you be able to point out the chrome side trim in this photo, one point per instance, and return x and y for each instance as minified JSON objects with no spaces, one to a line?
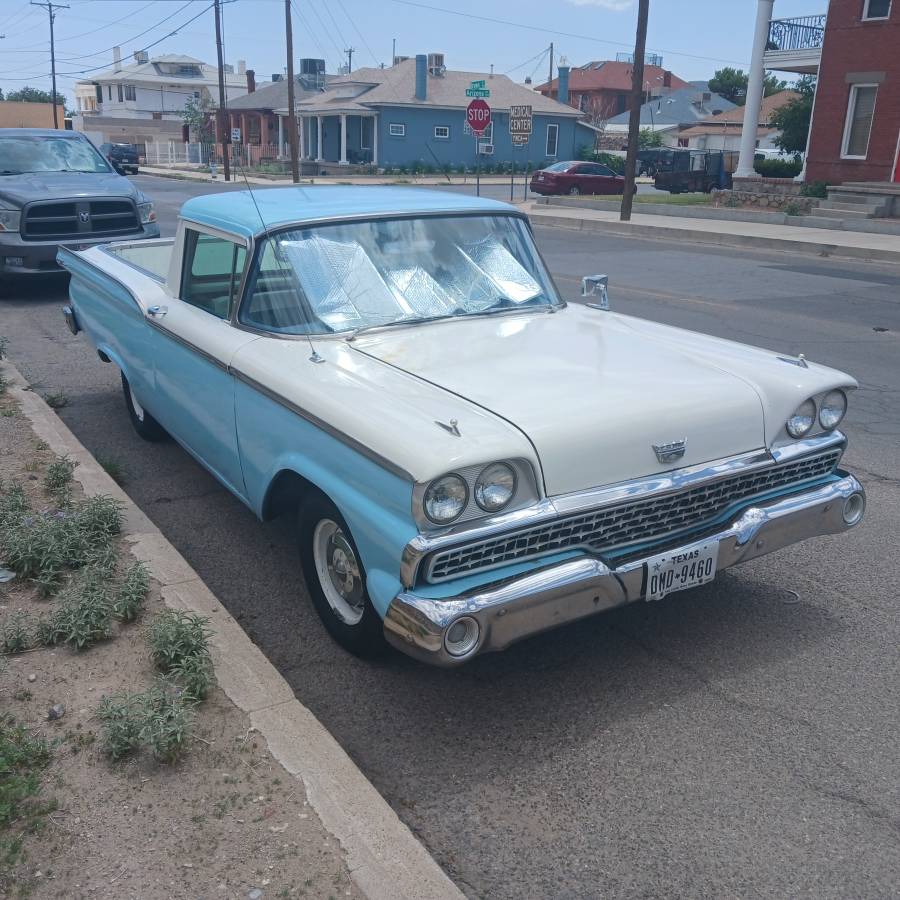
{"x":155,"y":323}
{"x":323,"y":425}
{"x":568,"y":504}
{"x":526,"y":605}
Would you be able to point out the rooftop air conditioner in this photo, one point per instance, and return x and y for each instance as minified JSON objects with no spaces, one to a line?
{"x":436,"y":65}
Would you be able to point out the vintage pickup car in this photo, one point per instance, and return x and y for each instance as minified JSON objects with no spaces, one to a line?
{"x":472,"y":459}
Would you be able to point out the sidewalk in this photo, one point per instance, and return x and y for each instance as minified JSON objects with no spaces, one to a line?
{"x":785,"y":238}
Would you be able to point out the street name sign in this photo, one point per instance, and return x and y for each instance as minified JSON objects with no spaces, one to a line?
{"x":478,"y":89}
{"x":478,"y":117}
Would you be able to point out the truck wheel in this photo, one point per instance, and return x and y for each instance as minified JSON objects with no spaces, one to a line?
{"x":144,"y":424}
{"x":336,"y":578}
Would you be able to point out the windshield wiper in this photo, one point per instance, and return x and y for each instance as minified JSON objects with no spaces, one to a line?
{"x":10,"y":172}
{"x":417,"y":320}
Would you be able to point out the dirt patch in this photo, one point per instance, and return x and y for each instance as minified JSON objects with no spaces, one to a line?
{"x":225,"y":820}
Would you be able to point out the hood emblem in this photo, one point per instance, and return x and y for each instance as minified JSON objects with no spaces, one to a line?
{"x":453,"y":427}
{"x":84,"y":217}
{"x":670,"y":452}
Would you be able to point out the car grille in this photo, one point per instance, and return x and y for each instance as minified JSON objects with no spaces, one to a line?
{"x":87,"y":219}
{"x":627,"y":523}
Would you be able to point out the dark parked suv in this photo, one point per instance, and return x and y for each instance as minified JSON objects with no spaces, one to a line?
{"x":56,"y":189}
{"x":124,"y":157}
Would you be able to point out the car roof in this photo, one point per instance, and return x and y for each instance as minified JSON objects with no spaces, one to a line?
{"x":41,"y":132}
{"x":241,"y":213}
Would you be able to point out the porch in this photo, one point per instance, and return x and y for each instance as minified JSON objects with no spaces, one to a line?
{"x":342,"y":139}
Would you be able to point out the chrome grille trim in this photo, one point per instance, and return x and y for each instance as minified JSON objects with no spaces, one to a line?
{"x":619,"y":525}
{"x":46,"y":220}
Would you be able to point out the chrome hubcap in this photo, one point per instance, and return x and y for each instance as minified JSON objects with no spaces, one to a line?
{"x":338,"y":571}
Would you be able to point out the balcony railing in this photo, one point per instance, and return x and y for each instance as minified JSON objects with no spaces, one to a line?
{"x":804,"y":33}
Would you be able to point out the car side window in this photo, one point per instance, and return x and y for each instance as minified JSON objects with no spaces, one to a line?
{"x":603,"y":170}
{"x":212,"y":272}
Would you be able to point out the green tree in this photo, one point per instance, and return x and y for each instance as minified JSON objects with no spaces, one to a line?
{"x":732,"y":85}
{"x":647,"y":137}
{"x":198,"y":116}
{"x":793,"y":119}
{"x":35,"y":95}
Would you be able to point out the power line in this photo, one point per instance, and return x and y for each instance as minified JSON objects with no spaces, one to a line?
{"x":541,"y":28}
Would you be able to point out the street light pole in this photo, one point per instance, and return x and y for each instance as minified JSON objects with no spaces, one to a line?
{"x":49,"y":6}
{"x":634,"y":117}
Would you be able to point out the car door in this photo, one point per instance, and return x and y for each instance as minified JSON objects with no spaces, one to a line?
{"x":194,"y":343}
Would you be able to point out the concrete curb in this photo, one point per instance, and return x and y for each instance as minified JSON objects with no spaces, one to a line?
{"x":722,"y":239}
{"x":385,"y":860}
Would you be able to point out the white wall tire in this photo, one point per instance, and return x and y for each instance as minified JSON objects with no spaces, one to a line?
{"x":144,"y":424}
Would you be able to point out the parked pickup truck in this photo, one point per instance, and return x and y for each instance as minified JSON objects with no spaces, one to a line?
{"x":472,"y":460}
{"x":56,"y":189}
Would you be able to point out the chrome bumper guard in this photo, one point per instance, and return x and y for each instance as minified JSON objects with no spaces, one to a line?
{"x":511,"y":610}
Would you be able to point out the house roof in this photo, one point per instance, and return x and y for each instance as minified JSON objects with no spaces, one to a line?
{"x":680,"y":107}
{"x":396,"y":86}
{"x":734,"y":118}
{"x":240,"y":211}
{"x":610,"y":75}
{"x":274,"y":95}
{"x":149,"y":71}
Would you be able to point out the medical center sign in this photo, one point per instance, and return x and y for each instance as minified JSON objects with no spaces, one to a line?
{"x":520,"y":121}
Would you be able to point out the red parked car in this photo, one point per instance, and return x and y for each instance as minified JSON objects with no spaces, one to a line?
{"x":577,"y":178}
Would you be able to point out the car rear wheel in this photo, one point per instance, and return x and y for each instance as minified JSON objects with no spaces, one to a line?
{"x":574,"y":190}
{"x":336,"y":578}
{"x":144,"y":424}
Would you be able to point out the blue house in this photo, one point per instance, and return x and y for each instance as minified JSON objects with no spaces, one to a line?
{"x":414,"y":113}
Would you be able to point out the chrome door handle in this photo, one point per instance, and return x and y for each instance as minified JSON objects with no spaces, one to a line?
{"x":157,"y":311}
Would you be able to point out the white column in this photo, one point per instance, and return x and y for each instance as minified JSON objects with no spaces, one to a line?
{"x":343,"y":139}
{"x":280,"y":137}
{"x":754,"y":90}
{"x":374,"y":140}
{"x":318,"y":138}
{"x":801,"y":176}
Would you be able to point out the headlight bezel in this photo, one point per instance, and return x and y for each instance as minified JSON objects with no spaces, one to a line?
{"x":10,"y":220}
{"x":146,"y":212}
{"x":525,"y":493}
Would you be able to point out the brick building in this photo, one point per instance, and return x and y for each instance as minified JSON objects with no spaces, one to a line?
{"x":855,"y":134}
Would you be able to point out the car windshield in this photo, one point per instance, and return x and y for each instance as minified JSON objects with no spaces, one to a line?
{"x":558,"y":167}
{"x":42,"y":153}
{"x":348,"y":277}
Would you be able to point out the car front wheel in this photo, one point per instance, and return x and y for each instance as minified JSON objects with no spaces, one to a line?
{"x":336,"y":578}
{"x":144,"y":424}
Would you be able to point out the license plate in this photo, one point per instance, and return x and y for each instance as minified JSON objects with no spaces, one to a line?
{"x":680,"y":569}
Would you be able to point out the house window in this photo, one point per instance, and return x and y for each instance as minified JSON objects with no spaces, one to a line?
{"x":119,"y":92}
{"x":397,"y":129}
{"x":552,"y":140}
{"x":442,"y":132}
{"x":876,"y":9}
{"x":684,"y":142}
{"x":130,"y":93}
{"x":858,"y":125}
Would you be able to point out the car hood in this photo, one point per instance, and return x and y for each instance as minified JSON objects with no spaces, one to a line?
{"x":21,"y":189}
{"x":591,"y":393}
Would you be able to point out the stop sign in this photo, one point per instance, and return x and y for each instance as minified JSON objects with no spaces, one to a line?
{"x":478,"y":116}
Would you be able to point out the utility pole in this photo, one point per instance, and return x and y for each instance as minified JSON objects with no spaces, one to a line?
{"x":292,"y":111}
{"x":222,"y":115}
{"x":634,"y":117}
{"x":550,"y":81}
{"x":50,"y":7}
{"x":350,"y":51}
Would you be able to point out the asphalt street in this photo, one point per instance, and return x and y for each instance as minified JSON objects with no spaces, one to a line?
{"x":741,"y":739}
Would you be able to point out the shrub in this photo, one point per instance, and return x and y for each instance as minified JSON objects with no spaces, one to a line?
{"x":793,"y":209}
{"x":778,"y":168}
{"x":16,"y":634}
{"x":129,"y":597}
{"x":84,"y":615}
{"x":176,"y":636}
{"x":815,"y":189}
{"x":58,"y":477}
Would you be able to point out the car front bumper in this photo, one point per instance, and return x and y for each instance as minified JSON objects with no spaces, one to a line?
{"x":525,"y":605}
{"x":18,"y":257}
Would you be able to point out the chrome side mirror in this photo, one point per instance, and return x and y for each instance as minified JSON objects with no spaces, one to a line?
{"x":596,"y":286}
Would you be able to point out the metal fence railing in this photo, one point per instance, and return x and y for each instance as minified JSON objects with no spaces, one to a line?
{"x":803,"y":33}
{"x":255,"y":157}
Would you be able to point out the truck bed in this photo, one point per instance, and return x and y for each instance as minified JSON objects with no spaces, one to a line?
{"x":152,"y":257}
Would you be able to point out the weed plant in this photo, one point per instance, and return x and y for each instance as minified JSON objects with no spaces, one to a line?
{"x":129,"y":598}
{"x":58,"y":479}
{"x":16,"y":634}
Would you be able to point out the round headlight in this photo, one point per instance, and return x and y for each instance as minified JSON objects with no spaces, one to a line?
{"x":832,"y":410}
{"x":802,"y":420}
{"x":495,"y":487}
{"x":445,"y":499}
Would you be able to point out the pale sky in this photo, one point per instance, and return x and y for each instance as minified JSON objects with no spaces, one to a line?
{"x":695,"y":38}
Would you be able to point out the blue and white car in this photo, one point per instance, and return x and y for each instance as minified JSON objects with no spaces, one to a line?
{"x":472,"y":460}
